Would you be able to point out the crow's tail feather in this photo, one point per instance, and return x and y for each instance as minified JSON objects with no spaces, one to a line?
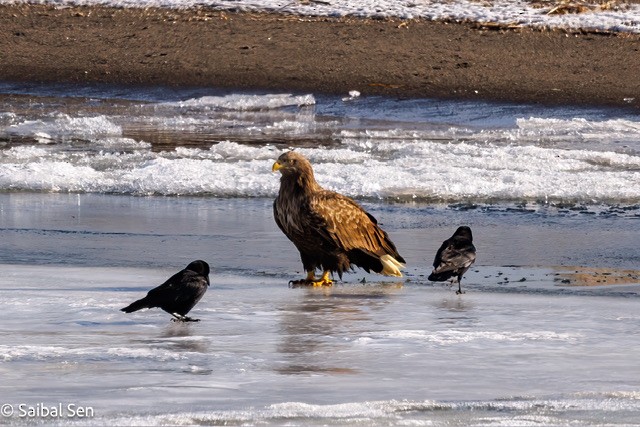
{"x":135,"y":306}
{"x":440,"y":277}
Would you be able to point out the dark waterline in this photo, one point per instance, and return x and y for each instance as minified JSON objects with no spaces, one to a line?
{"x":112,"y":230}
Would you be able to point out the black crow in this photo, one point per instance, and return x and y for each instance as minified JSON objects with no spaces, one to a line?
{"x":454,"y":257}
{"x":178,"y":295}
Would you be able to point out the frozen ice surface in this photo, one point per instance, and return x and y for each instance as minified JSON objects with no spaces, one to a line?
{"x":546,"y":333}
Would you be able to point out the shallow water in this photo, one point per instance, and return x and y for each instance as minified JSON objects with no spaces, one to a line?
{"x":108,"y":191}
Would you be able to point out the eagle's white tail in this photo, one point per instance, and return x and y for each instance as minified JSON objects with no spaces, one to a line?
{"x":391,"y":266}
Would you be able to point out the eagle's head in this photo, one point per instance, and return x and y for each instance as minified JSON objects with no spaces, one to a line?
{"x":292,"y":163}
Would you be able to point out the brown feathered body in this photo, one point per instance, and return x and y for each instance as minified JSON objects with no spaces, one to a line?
{"x":331,"y":231}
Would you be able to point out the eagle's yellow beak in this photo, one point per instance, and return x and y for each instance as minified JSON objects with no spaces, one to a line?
{"x":276,"y":167}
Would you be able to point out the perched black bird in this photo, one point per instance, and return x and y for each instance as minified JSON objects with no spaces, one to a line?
{"x":454,"y":257}
{"x":178,"y":295}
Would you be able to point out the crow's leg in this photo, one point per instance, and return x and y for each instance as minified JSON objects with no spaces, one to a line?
{"x":459,"y":291}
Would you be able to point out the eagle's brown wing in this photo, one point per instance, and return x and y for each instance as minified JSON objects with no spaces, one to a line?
{"x":302,"y":226}
{"x":349,"y":226}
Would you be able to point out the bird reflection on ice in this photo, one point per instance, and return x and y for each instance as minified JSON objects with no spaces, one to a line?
{"x":178,"y":338}
{"x":311,"y":327}
{"x":455,"y":312}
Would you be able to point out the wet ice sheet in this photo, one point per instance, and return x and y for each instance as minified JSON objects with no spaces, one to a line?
{"x":265,"y":353}
{"x":509,"y":351}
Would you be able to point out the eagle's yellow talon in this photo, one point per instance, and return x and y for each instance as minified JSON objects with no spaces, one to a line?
{"x":325,"y":281}
{"x":321,"y":282}
{"x":310,"y":280}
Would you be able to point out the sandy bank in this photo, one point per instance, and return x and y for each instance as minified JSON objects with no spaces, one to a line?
{"x":275,"y":52}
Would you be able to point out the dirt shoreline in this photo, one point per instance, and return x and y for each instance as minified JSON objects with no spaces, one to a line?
{"x":320,"y":55}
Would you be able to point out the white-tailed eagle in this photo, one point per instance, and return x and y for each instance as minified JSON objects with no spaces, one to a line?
{"x":331,"y":231}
